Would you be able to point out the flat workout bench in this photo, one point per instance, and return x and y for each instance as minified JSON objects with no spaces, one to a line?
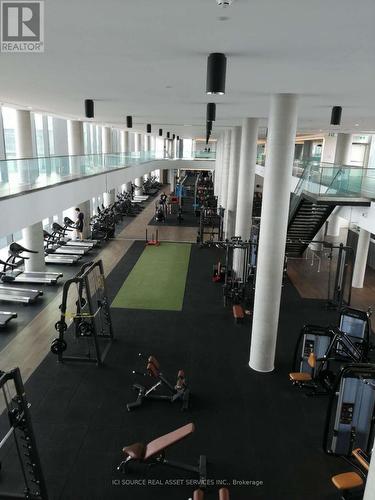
{"x":153,"y":453}
{"x":238,"y":313}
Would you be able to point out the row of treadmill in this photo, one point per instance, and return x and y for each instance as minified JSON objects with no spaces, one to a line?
{"x":338,"y":362}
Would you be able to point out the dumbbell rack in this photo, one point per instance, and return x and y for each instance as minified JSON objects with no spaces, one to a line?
{"x":91,"y":319}
{"x":20,"y":427}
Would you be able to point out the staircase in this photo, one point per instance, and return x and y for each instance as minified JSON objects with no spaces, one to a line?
{"x":319,"y":190}
{"x":306,"y":220}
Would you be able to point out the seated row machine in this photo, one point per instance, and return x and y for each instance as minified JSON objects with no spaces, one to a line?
{"x":154,"y":453}
{"x":178,"y":392}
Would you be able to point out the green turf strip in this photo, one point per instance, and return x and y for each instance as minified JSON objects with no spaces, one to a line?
{"x":158,"y":279}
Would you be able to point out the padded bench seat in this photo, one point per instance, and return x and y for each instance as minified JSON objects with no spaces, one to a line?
{"x":300,"y":377}
{"x":347,"y":481}
{"x":238,"y":313}
{"x":139,"y":451}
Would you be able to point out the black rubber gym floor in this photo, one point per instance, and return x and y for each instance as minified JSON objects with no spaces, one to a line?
{"x":252,"y":427}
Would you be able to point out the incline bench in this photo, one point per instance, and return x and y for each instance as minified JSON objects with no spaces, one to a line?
{"x":238,"y":313}
{"x":154,"y":452}
{"x":223,"y":494}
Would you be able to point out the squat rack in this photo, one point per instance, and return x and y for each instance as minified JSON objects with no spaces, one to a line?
{"x":92,"y":318}
{"x":20,"y":427}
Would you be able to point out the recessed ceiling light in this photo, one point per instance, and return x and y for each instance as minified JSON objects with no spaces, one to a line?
{"x":357,"y":124}
{"x":223,"y":18}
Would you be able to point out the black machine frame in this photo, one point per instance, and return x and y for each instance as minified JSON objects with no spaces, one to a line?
{"x":92,"y":318}
{"x":20,"y":426}
{"x":341,"y":436}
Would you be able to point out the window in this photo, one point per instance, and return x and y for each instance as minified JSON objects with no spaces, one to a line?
{"x":40,"y":149}
{"x":9,"y":123}
{"x":50,"y":136}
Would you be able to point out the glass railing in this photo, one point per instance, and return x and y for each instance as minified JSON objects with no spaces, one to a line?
{"x":204,"y":155}
{"x":326,"y":179}
{"x":18,"y":176}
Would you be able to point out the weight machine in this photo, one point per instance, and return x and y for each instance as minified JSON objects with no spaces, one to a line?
{"x":21,"y":428}
{"x":332,"y":347}
{"x":211,"y":223}
{"x":350,"y":415}
{"x":91,"y":318}
{"x":340,"y":285}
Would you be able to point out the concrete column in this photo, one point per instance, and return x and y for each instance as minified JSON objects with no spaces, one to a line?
{"x":124,"y":141}
{"x":106,"y":140}
{"x":137,"y":142}
{"x":218,"y":165}
{"x":230,"y":219}
{"x":225,"y":169}
{"x":307,"y":150}
{"x":109,"y":198}
{"x":138,"y":186}
{"x":246,"y":180}
{"x":33,"y":240}
{"x":75,"y":145}
{"x":33,"y":235}
{"x":274,"y":222}
{"x":370,"y":483}
{"x":361,"y":258}
{"x":316,"y":244}
{"x":343,"y":149}
{"x":334,"y":223}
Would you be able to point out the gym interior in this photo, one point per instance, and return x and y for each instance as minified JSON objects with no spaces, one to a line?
{"x":187,"y":250}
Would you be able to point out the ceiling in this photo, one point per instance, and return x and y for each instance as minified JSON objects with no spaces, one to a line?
{"x":148,"y":58}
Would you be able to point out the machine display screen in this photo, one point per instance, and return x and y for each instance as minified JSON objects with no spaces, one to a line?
{"x":355,"y":327}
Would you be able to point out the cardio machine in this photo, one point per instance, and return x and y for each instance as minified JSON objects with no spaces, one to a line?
{"x":12,"y":274}
{"x":51,"y":244}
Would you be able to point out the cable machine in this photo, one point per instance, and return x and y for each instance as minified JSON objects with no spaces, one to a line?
{"x":211,"y":224}
{"x":20,"y":427}
{"x":91,"y":318}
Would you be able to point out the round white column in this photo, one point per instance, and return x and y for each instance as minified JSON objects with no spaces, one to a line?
{"x":230,"y":218}
{"x":33,"y":235}
{"x":218,"y":166}
{"x":334,"y":223}
{"x":124,"y":141}
{"x":75,"y":137}
{"x":109,"y":198}
{"x":370,"y":483}
{"x":138,"y":186}
{"x":361,"y":258}
{"x":246,"y":180}
{"x":106,"y":140}
{"x":225,"y":169}
{"x":272,"y":238}
{"x":343,"y":149}
{"x":33,"y":240}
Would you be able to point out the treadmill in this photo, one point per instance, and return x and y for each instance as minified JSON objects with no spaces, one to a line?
{"x":12,"y":274}
{"x":58,"y":232}
{"x":21,"y":295}
{"x":51,"y":257}
{"x":5,"y":317}
{"x":68,"y":226}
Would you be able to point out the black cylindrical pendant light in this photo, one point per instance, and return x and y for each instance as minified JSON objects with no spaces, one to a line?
{"x":173,"y":137}
{"x":168,"y":135}
{"x":148,"y":128}
{"x":178,"y":137}
{"x":216,"y":72}
{"x":336,"y":115}
{"x":89,"y":108}
{"x":211,"y":112}
{"x":160,"y":132}
{"x":129,"y":121}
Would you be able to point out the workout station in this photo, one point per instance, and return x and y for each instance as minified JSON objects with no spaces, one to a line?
{"x":187,"y":250}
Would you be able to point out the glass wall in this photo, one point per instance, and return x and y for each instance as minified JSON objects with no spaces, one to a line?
{"x":9,"y":124}
{"x":39,"y":136}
